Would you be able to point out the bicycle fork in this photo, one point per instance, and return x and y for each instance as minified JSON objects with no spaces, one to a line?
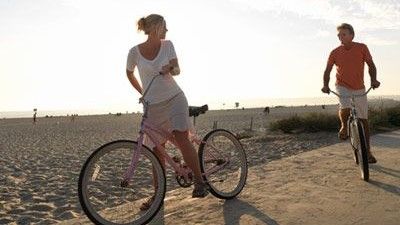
{"x":133,"y":163}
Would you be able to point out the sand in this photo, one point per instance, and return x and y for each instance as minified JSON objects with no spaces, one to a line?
{"x":322,"y":186}
{"x":40,"y":166}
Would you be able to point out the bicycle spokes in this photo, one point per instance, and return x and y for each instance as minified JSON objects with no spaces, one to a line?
{"x":223,"y":162}
{"x":108,"y":201}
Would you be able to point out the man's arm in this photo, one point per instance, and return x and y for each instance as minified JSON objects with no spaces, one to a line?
{"x":326,"y":78}
{"x":372,"y":73}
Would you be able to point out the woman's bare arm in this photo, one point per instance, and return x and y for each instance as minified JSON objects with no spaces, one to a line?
{"x":134,"y":81}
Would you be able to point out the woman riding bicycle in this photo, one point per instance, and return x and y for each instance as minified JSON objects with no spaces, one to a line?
{"x":168,"y":107}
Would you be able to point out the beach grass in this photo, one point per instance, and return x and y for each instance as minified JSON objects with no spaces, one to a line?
{"x":380,"y":119}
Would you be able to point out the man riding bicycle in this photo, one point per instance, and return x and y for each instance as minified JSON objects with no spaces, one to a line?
{"x":349,"y":59}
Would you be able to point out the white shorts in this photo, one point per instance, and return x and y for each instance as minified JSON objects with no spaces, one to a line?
{"x":361,"y":102}
{"x":170,"y":115}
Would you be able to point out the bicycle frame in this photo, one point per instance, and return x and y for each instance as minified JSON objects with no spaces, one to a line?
{"x":146,"y":128}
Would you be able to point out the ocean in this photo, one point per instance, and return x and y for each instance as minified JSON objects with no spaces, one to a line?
{"x":213,"y":105}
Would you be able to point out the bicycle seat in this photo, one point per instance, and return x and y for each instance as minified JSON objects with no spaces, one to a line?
{"x":197,"y":110}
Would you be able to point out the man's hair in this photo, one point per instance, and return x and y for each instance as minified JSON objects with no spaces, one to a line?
{"x":347,"y":27}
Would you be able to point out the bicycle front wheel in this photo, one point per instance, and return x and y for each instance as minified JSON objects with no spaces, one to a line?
{"x":359,"y":145}
{"x":362,"y":152}
{"x":223,"y":163}
{"x":354,"y":139}
{"x":105,"y":200}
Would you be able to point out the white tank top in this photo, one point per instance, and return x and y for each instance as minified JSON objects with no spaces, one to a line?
{"x":163,"y":87}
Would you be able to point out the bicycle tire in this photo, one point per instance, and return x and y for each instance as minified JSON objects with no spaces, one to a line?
{"x":363,"y":152}
{"x":352,"y":129}
{"x":222,"y":147}
{"x":101,"y":195}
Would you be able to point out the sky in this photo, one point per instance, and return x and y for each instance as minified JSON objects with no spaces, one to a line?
{"x":71,"y":54}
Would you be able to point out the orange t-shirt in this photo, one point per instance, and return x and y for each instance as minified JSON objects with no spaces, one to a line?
{"x":350,"y":65}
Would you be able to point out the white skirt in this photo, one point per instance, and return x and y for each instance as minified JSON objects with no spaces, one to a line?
{"x":170,"y":115}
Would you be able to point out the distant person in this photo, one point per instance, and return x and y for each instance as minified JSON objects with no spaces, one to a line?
{"x":34,"y":117}
{"x":168,"y":107}
{"x":266,"y":110}
{"x":349,"y":59}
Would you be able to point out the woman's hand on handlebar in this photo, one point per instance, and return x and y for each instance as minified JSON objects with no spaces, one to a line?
{"x":166,"y":69}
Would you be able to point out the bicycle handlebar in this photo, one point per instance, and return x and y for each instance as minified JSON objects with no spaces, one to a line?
{"x":141,"y":99}
{"x":349,"y":96}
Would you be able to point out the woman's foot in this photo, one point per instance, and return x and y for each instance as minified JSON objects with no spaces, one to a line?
{"x":147,"y":204}
{"x":200,"y":190}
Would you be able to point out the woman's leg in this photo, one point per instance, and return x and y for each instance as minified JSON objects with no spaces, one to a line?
{"x":189,"y":153}
{"x":162,"y":161}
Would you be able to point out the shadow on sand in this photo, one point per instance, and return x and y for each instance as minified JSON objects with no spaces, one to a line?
{"x":388,"y":171}
{"x":387,"y":187}
{"x":235,"y":208}
{"x":388,"y":140}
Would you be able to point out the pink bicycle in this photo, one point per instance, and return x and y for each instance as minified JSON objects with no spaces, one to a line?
{"x":121,"y":175}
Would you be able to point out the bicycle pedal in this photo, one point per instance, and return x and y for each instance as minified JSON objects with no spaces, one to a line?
{"x":176,"y":159}
{"x":124,"y":183}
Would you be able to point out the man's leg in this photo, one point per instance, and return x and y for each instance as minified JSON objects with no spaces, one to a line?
{"x":371,"y":158}
{"x":343,"y":116}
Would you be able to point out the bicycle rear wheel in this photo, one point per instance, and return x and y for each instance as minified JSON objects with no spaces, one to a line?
{"x":101,"y":195}
{"x":223,"y":163}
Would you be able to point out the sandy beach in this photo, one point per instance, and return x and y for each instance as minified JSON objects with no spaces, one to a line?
{"x":322,"y":186}
{"x":40,"y":165}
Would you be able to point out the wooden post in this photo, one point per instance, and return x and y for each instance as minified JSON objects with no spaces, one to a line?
{"x":215,"y":125}
{"x":251,"y":123}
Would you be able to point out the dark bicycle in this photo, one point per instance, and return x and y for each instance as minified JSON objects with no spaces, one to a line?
{"x":356,"y":132}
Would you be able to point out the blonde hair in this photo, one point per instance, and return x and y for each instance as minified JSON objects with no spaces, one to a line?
{"x":151,"y":22}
